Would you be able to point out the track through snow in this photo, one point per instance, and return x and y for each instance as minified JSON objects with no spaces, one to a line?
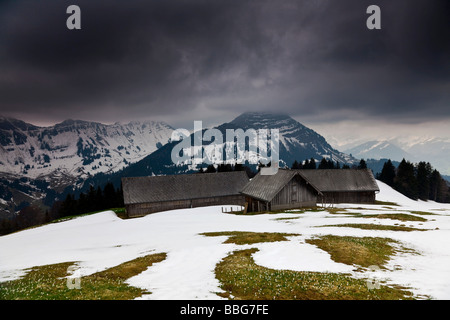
{"x":103,"y":240}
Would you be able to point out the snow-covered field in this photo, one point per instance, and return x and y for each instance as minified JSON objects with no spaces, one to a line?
{"x":103,"y":240}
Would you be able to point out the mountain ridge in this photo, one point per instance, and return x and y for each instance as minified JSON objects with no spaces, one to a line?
{"x":291,"y":135}
{"x":378,"y":149}
{"x":433,"y":150}
{"x":76,"y":147}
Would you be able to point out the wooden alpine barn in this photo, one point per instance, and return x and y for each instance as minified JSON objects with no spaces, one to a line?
{"x":144,"y":195}
{"x":291,"y":189}
{"x":343,"y":185}
{"x":287,"y":189}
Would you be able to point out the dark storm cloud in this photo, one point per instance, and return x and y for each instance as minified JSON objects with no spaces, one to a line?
{"x":314,"y":59}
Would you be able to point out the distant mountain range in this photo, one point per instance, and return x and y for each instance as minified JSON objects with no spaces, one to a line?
{"x":297,"y":142}
{"x":378,"y":150}
{"x":75,"y":148}
{"x":39,"y":163}
{"x":433,"y":150}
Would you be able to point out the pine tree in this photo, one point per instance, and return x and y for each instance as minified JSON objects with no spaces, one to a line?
{"x":312,"y":163}
{"x":362,"y":164}
{"x":68,"y":207}
{"x":405,"y":181}
{"x":306,"y":164}
{"x":330,"y":164}
{"x":99,"y":199}
{"x":424,"y":171}
{"x":120,"y":202}
{"x":295,"y":165}
{"x":82,"y":203}
{"x":436,"y":186}
{"x":323,"y":164}
{"x":387,"y":174}
{"x":109,"y":197}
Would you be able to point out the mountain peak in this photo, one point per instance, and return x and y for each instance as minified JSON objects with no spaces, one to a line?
{"x":263,"y":120}
{"x":297,"y":142}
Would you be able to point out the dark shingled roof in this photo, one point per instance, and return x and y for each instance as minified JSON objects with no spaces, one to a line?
{"x":182,"y":187}
{"x":266,"y":187}
{"x":345,"y":180}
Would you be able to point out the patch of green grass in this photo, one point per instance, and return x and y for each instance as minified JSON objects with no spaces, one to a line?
{"x":392,"y":216}
{"x":294,"y":211}
{"x":241,"y":278}
{"x":423,"y":213}
{"x":49,"y":283}
{"x":299,"y":211}
{"x":395,"y":216}
{"x":363,"y":251}
{"x":372,"y":209}
{"x":120,"y":212}
{"x":240,"y":238}
{"x":369,"y":226}
{"x":387,"y":203}
{"x":337,"y":211}
{"x":286,"y":218}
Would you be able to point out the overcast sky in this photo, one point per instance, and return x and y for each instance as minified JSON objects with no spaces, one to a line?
{"x":181,"y":61}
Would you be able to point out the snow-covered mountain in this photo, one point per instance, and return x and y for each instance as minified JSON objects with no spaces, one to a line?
{"x":378,"y":150}
{"x":75,"y":148}
{"x":433,"y":150}
{"x":38,"y":163}
{"x":297,"y":142}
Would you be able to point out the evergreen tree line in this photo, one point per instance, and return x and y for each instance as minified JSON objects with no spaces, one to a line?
{"x":326,"y":164}
{"x":92,"y":200}
{"x":228,"y":168}
{"x":307,"y":164}
{"x":222,"y":168}
{"x":416,"y":181}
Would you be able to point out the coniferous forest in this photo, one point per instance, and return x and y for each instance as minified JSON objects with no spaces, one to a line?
{"x":95,"y":199}
{"x":416,"y":181}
